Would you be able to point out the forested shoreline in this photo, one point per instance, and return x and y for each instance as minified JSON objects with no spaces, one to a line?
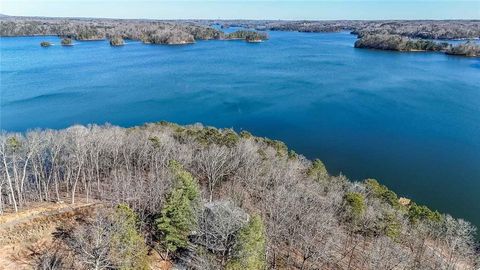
{"x":383,"y":35}
{"x":404,"y":44}
{"x":209,"y":198}
{"x":418,"y":29}
{"x":147,"y":31}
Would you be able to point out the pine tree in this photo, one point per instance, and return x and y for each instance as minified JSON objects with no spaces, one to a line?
{"x":178,"y":216}
{"x":129,"y":250}
{"x":250,"y":249}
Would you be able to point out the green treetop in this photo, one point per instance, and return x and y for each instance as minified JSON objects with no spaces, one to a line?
{"x":129,"y":250}
{"x":250,"y":249}
{"x":178,"y":216}
{"x":355,"y":203}
{"x":382,"y":192}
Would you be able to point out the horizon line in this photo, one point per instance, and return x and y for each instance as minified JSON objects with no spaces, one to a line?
{"x":229,"y":19}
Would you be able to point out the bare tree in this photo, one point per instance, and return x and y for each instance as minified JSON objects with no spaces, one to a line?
{"x":215,"y":163}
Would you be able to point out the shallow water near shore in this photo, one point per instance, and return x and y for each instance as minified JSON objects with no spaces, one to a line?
{"x":411,"y":120}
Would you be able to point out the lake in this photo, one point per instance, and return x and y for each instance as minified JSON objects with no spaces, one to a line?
{"x":410,"y":120}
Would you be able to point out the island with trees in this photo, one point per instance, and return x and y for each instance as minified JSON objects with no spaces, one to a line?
{"x":67,"y":42}
{"x":117,"y":41}
{"x":247,"y":35}
{"x":163,"y":195}
{"x":45,"y":44}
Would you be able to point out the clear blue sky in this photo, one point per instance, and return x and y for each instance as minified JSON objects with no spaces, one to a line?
{"x":249,"y":9}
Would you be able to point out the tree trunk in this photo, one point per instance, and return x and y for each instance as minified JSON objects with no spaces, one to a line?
{"x":9,"y":179}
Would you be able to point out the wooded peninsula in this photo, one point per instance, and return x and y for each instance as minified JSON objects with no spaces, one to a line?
{"x":204,"y":198}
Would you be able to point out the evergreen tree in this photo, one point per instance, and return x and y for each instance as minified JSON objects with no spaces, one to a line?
{"x":178,"y":216}
{"x":355,"y":206}
{"x":129,"y":250}
{"x":382,"y":192}
{"x":250,"y":249}
{"x":317,"y":170}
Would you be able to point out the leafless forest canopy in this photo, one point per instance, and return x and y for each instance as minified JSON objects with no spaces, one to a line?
{"x":148,"y":31}
{"x":447,"y":29}
{"x":303,"y":218}
{"x":401,"y":43}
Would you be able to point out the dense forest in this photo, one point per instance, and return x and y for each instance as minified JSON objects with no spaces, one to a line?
{"x":424,"y":29}
{"x":207,"y":198}
{"x":400,"y":43}
{"x":386,"y":35}
{"x":247,"y":35}
{"x":148,"y":31}
{"x":95,"y":29}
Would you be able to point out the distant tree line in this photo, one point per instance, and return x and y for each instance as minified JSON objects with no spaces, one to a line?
{"x":448,"y":29}
{"x":422,"y":29}
{"x":155,"y":32}
{"x":216,"y":199}
{"x":96,"y":29}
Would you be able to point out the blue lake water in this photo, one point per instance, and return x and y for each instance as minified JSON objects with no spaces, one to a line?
{"x":411,"y":120}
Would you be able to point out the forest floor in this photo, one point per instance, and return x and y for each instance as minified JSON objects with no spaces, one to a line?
{"x":28,"y":232}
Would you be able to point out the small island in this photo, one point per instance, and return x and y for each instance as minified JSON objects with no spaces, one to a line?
{"x":249,"y":36}
{"x":67,"y":42}
{"x":45,"y":44}
{"x":116,"y":41}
